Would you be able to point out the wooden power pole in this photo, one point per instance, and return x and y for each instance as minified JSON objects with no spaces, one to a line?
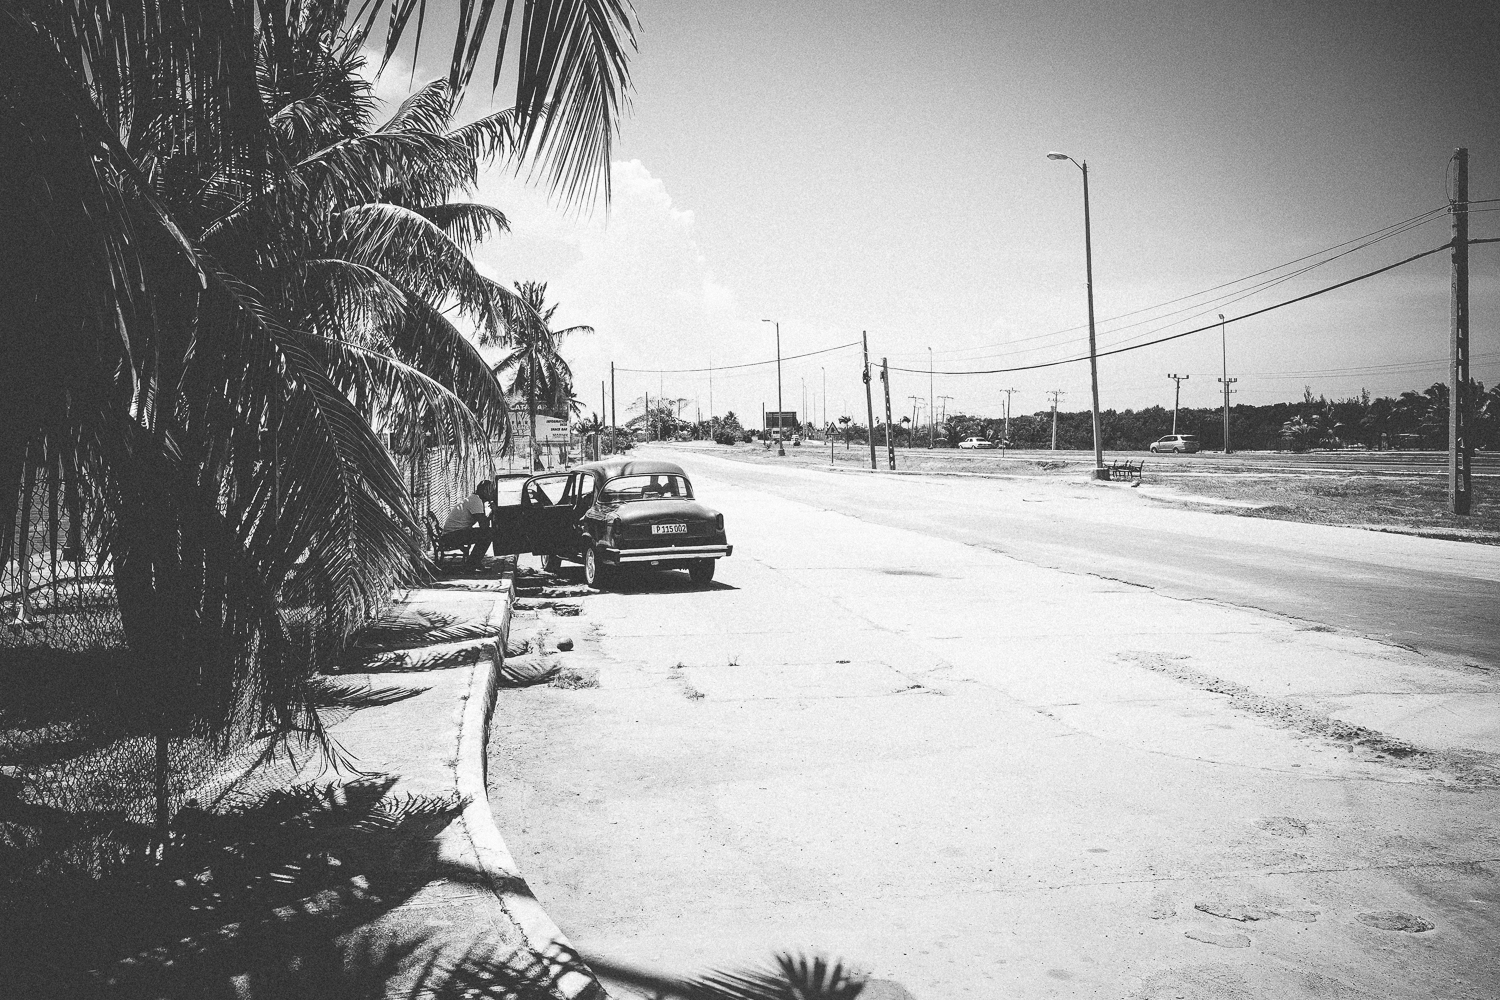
{"x":1054,"y":393}
{"x":890,"y":444}
{"x":1460,"y":436}
{"x":869,"y":401}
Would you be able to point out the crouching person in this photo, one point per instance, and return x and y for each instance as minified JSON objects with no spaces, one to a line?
{"x":468,"y":524}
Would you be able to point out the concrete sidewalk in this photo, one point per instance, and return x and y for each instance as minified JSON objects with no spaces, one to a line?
{"x":424,"y":722}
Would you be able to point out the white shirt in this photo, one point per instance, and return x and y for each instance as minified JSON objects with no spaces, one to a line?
{"x":462,"y":516}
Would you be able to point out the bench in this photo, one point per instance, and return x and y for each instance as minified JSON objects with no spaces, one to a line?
{"x":1126,"y":472}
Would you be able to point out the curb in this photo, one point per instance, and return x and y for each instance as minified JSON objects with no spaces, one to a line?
{"x":495,"y":862}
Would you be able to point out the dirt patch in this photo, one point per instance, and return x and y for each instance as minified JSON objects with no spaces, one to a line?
{"x":1465,"y":767}
{"x":1416,"y":505}
{"x":575,"y":678}
{"x":1378,"y":491}
{"x":1395,"y":920}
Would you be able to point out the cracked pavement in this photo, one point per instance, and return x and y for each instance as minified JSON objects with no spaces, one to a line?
{"x":976,"y":776}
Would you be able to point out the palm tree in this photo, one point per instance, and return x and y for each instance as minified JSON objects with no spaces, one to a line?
{"x":220,"y":281}
{"x":534,"y":365}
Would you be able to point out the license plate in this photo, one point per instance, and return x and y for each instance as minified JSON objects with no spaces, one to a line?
{"x":669,"y":529}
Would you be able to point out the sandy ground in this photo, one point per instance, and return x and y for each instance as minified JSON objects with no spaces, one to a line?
{"x":1387,"y":491}
{"x":980,"y":777}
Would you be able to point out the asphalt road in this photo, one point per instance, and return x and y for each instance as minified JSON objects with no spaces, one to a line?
{"x":1433,"y":595}
{"x":975,"y":776}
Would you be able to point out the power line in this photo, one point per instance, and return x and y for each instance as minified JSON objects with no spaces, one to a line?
{"x":1186,"y":333}
{"x":748,"y":364}
{"x":1368,"y":239}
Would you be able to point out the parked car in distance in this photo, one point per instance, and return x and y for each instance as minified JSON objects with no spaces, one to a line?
{"x":1186,"y":443}
{"x":976,"y":443}
{"x":618,"y":512}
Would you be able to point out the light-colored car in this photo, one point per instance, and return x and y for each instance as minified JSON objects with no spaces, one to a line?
{"x":1175,"y":443}
{"x":976,"y":443}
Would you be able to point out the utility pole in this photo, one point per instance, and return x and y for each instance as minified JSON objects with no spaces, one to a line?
{"x":612,"y":425}
{"x":885,"y":380}
{"x":869,"y":403}
{"x":1055,"y":393}
{"x":601,"y":417}
{"x":911,"y":442}
{"x":945,"y":406}
{"x":1177,"y":399}
{"x":931,"y":409}
{"x":780,"y":433}
{"x":710,"y":383}
{"x":1224,"y":345}
{"x":1007,"y":414}
{"x":1460,"y":438}
{"x":648,"y":415}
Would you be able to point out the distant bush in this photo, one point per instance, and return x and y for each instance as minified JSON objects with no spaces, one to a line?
{"x":726,"y":437}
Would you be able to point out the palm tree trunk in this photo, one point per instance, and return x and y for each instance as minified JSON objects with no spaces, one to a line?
{"x":536,"y":453}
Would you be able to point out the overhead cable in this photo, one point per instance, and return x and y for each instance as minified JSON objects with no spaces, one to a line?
{"x":748,"y":364}
{"x":1185,"y":333}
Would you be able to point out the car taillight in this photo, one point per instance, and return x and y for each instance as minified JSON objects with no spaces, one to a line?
{"x":719,"y":521}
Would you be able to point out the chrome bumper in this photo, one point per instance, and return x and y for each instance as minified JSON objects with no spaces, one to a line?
{"x":665,"y":553}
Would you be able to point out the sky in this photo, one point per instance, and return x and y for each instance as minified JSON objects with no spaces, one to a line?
{"x":880,"y":169}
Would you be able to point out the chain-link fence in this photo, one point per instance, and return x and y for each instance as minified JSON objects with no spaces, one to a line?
{"x":79,"y":777}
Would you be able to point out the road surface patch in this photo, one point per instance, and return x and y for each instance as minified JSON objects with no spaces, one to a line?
{"x":1395,"y":920}
{"x":1218,"y":939}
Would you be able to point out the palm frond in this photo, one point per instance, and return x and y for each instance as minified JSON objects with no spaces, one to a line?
{"x":415,"y":252}
{"x":428,"y":109}
{"x":572,"y":79}
{"x":466,"y":223}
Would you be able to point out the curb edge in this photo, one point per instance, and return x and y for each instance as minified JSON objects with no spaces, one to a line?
{"x":494,"y":859}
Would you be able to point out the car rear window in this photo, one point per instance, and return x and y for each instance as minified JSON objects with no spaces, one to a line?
{"x":623,"y":488}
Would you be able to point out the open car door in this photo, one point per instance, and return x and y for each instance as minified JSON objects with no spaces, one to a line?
{"x":540,"y":523}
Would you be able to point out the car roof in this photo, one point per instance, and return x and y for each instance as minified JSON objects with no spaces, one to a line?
{"x":612,"y":467}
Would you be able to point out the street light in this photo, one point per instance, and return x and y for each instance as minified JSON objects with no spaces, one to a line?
{"x":780,"y":445}
{"x":931,"y":410}
{"x":825,"y":393}
{"x":1088,"y":264}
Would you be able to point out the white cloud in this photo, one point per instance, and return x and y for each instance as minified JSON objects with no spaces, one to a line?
{"x":639,"y":277}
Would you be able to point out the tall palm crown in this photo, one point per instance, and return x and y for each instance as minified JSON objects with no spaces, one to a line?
{"x":534,"y":365}
{"x":222,"y":281}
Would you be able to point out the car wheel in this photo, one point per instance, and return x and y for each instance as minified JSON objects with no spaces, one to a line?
{"x":552,"y":563}
{"x":702,"y":572}
{"x":1177,"y":451}
{"x":594,"y":573}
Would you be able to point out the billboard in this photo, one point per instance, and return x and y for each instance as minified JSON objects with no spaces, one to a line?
{"x":549,"y":430}
{"x":781,"y":418}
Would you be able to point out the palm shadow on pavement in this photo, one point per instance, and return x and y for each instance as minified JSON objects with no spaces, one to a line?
{"x":295,"y":894}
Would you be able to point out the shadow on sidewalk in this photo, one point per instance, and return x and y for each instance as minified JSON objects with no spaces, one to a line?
{"x":291,"y":895}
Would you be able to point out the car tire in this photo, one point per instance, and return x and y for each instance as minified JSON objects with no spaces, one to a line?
{"x":1177,"y":451}
{"x":551,"y":563}
{"x":594,"y":572}
{"x":702,"y":572}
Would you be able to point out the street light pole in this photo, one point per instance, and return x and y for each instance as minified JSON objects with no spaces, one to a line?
{"x":780,"y":431}
{"x":931,"y":409}
{"x":1088,"y":264}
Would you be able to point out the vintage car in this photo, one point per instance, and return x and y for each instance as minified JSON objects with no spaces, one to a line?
{"x":976,"y":442}
{"x":618,"y":512}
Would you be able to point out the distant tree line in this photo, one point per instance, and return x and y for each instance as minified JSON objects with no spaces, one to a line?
{"x":1412,"y":420}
